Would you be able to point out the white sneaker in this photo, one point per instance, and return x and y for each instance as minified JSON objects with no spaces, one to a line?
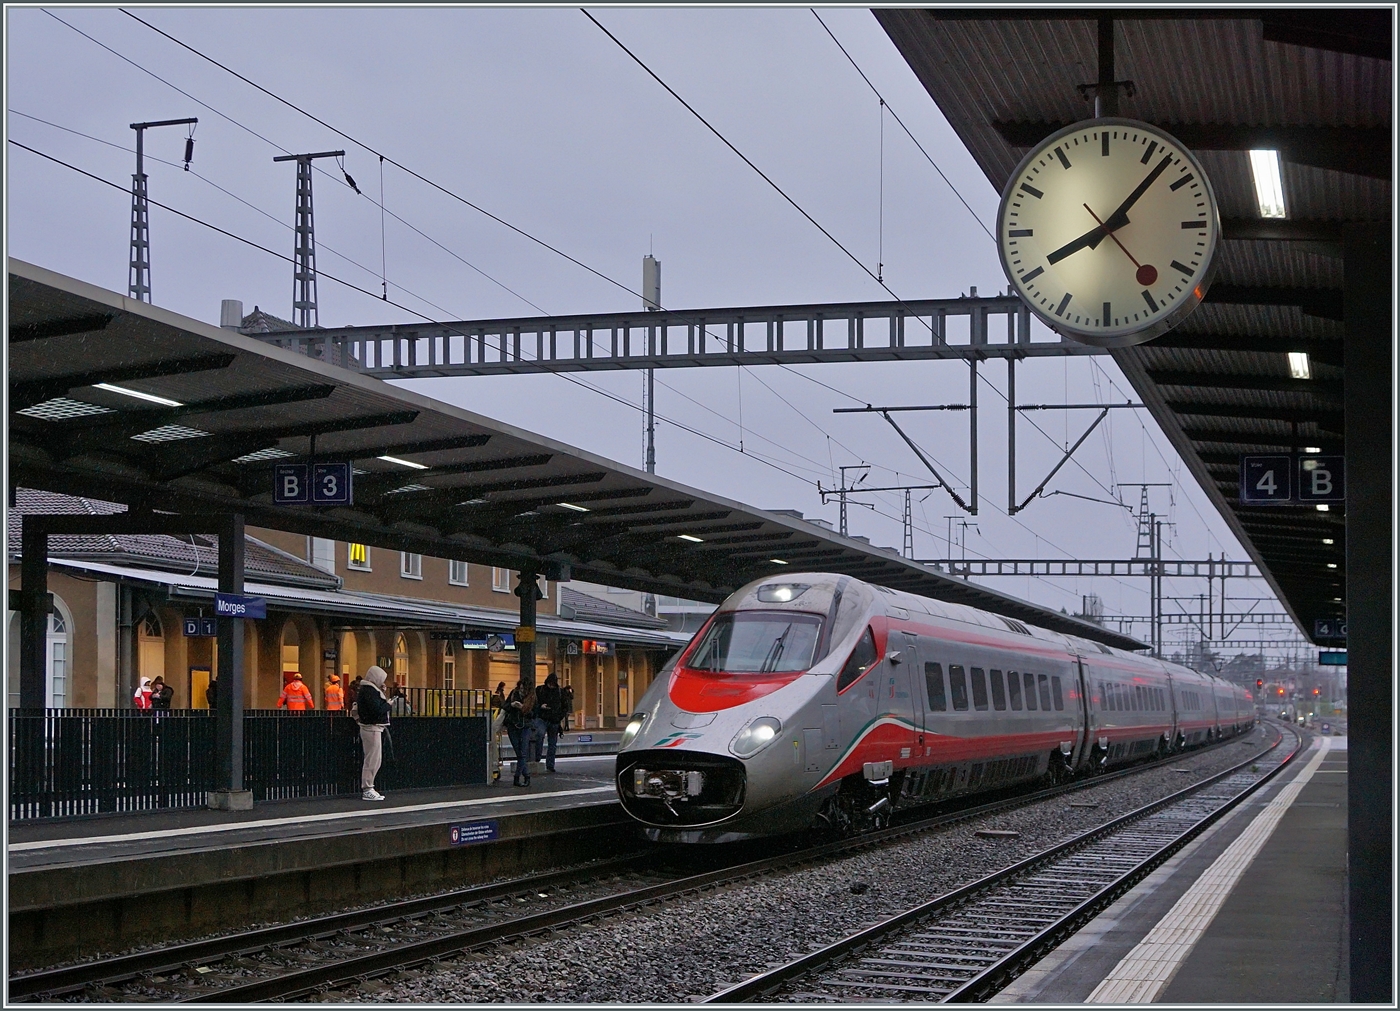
{"x":371,"y":794}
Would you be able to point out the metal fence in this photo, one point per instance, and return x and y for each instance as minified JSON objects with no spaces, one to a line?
{"x":448,"y":701}
{"x":67,"y":762}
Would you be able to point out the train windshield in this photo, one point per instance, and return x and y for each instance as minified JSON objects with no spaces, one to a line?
{"x":758,"y":642}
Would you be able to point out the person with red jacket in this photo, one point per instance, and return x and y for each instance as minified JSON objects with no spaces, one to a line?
{"x":142,"y":698}
{"x":296,"y":696}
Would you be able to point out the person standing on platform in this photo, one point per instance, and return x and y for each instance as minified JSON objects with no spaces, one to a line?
{"x":335,"y":695}
{"x":398,"y":702}
{"x":161,"y":694}
{"x":498,"y":697}
{"x":520,"y":706}
{"x":550,"y":709}
{"x":142,"y":698}
{"x":372,"y":711}
{"x":296,"y":696}
{"x":567,"y":695}
{"x":211,"y":694}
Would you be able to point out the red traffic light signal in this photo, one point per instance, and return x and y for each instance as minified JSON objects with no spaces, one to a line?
{"x":1317,"y":691}
{"x":1259,"y":683}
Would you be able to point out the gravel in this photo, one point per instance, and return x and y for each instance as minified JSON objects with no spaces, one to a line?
{"x":696,"y":946}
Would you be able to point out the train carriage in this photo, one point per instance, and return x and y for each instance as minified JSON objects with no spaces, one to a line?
{"x":819,"y":699}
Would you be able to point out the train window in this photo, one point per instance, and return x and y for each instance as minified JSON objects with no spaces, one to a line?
{"x":1161,"y":700}
{"x":998,"y":692}
{"x":1013,"y":686}
{"x":750,"y":642}
{"x":1044,"y":692}
{"x":957,"y":681}
{"x":979,"y":689}
{"x":1137,"y":699}
{"x":933,"y":678}
{"x":1055,"y":690}
{"x":863,"y":657}
{"x":1030,"y":691}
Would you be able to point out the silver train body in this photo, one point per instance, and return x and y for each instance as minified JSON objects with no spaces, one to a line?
{"x":817,"y":699}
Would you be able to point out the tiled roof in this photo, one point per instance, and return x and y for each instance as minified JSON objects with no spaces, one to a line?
{"x":258,"y":321}
{"x":188,"y":555}
{"x":583,"y":607}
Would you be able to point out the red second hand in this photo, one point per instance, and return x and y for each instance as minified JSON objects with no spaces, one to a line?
{"x":1146,"y":273}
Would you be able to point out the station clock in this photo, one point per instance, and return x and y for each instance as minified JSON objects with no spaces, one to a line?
{"x":1108,"y":230}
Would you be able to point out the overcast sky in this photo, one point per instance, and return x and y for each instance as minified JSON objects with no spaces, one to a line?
{"x":536,"y":116}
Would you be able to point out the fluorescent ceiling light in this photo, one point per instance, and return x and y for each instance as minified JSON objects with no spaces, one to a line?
{"x":1323,"y":508}
{"x":1268,"y":184}
{"x":1331,"y":565}
{"x":1312,"y":449}
{"x":404,"y":463}
{"x":1299,"y":365}
{"x":575,"y":508}
{"x":691,"y":538}
{"x":163,"y":401}
{"x":1328,"y":540}
{"x":777,"y":561}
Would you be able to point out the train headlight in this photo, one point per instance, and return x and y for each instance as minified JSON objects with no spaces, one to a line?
{"x":756,"y":736}
{"x":633,"y":728}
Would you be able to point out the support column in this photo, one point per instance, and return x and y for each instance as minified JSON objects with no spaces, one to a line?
{"x":1010,"y":436}
{"x":33,"y":615}
{"x":1366,"y":306}
{"x":229,"y":794}
{"x":972,"y":411}
{"x":529,"y":592}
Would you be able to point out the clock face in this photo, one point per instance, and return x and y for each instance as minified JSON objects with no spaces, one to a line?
{"x":1108,"y":231}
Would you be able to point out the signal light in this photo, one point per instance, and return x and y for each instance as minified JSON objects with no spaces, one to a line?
{"x":1259,"y":683}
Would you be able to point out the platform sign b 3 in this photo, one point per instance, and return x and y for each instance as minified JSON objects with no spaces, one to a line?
{"x":316,"y":484}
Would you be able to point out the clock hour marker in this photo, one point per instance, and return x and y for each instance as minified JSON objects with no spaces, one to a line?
{"x":1103,"y":138}
{"x":1060,"y":154}
{"x":1060,"y":311}
{"x":1186,"y":225}
{"x":1151,"y":304}
{"x":1032,"y":275}
{"x":1107,"y":314}
{"x":1032,"y":190}
{"x":1182,"y":181}
{"x":1182,"y":267}
{"x":1021,"y":233}
{"x":1148,"y":153}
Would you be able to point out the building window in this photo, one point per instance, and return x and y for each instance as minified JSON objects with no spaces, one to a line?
{"x":359,"y":557}
{"x":58,"y":660}
{"x":401,"y":662}
{"x":410,"y":565}
{"x":500,"y":580}
{"x":457,"y":572}
{"x":449,"y":665}
{"x":544,"y":587}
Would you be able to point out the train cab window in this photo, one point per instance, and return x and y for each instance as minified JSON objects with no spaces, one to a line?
{"x":1030,"y":691}
{"x":1044,"y":692}
{"x":998,"y":692}
{"x":979,"y":689}
{"x":957,"y":681}
{"x":1013,"y":686}
{"x":1055,"y":691}
{"x":933,"y":679}
{"x":863,"y":657}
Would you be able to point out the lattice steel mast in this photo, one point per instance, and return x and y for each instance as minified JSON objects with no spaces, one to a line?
{"x":304,"y":313}
{"x":138,"y":284}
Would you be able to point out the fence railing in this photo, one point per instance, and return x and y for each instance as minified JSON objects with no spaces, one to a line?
{"x":68,"y":762}
{"x":448,"y":701}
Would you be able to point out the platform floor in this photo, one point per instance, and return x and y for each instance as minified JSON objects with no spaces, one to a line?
{"x":580,"y":781}
{"x":1278,"y":936}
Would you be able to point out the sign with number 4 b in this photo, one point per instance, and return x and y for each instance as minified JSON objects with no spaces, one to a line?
{"x":1292,"y":480}
{"x":317,"y":484}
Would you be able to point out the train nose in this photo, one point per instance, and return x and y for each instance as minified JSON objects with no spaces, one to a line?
{"x":674,"y":788}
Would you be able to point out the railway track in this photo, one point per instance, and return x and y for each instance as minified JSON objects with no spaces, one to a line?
{"x":968,"y":944}
{"x":304,"y":958}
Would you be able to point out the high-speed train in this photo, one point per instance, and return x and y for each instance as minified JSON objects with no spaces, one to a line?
{"x":820,"y":700}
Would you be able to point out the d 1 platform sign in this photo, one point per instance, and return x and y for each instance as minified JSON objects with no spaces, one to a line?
{"x":1295,"y":479}
{"x":236,"y":605}
{"x":314,"y":484}
{"x":196,"y":628}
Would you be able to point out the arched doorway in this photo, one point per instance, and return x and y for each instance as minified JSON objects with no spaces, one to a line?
{"x":150,"y":648}
{"x":58,"y":652}
{"x":401,"y":660}
{"x":449,"y":665}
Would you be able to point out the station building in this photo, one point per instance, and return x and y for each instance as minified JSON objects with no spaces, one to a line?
{"x":121,"y":602}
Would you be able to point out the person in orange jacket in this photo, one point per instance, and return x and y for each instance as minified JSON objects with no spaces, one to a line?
{"x":296,"y":696}
{"x":335,"y":695}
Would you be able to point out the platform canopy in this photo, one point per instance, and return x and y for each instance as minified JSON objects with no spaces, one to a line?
{"x":1314,"y":85}
{"x":224,"y":409}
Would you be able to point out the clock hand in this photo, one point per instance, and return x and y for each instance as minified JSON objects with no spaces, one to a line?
{"x":1090,"y":238}
{"x":1119,"y":218}
{"x":1146,"y":273}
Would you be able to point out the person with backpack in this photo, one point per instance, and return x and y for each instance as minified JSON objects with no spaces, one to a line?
{"x":520,"y":708}
{"x":371,"y":710}
{"x":550,"y":709}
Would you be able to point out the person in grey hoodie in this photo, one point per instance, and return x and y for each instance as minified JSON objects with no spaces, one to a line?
{"x":372,"y":712}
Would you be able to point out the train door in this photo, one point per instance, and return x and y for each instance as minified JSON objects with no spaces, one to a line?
{"x":1086,"y":735}
{"x":900,"y":698}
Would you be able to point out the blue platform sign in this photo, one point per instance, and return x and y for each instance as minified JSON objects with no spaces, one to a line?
{"x":1332,"y":658}
{"x":473,"y":832}
{"x":1266,"y":479}
{"x":1330,"y":628}
{"x":197,"y":628}
{"x":331,"y":484}
{"x":313,"y":484}
{"x":1322,"y":479}
{"x":236,"y":605}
